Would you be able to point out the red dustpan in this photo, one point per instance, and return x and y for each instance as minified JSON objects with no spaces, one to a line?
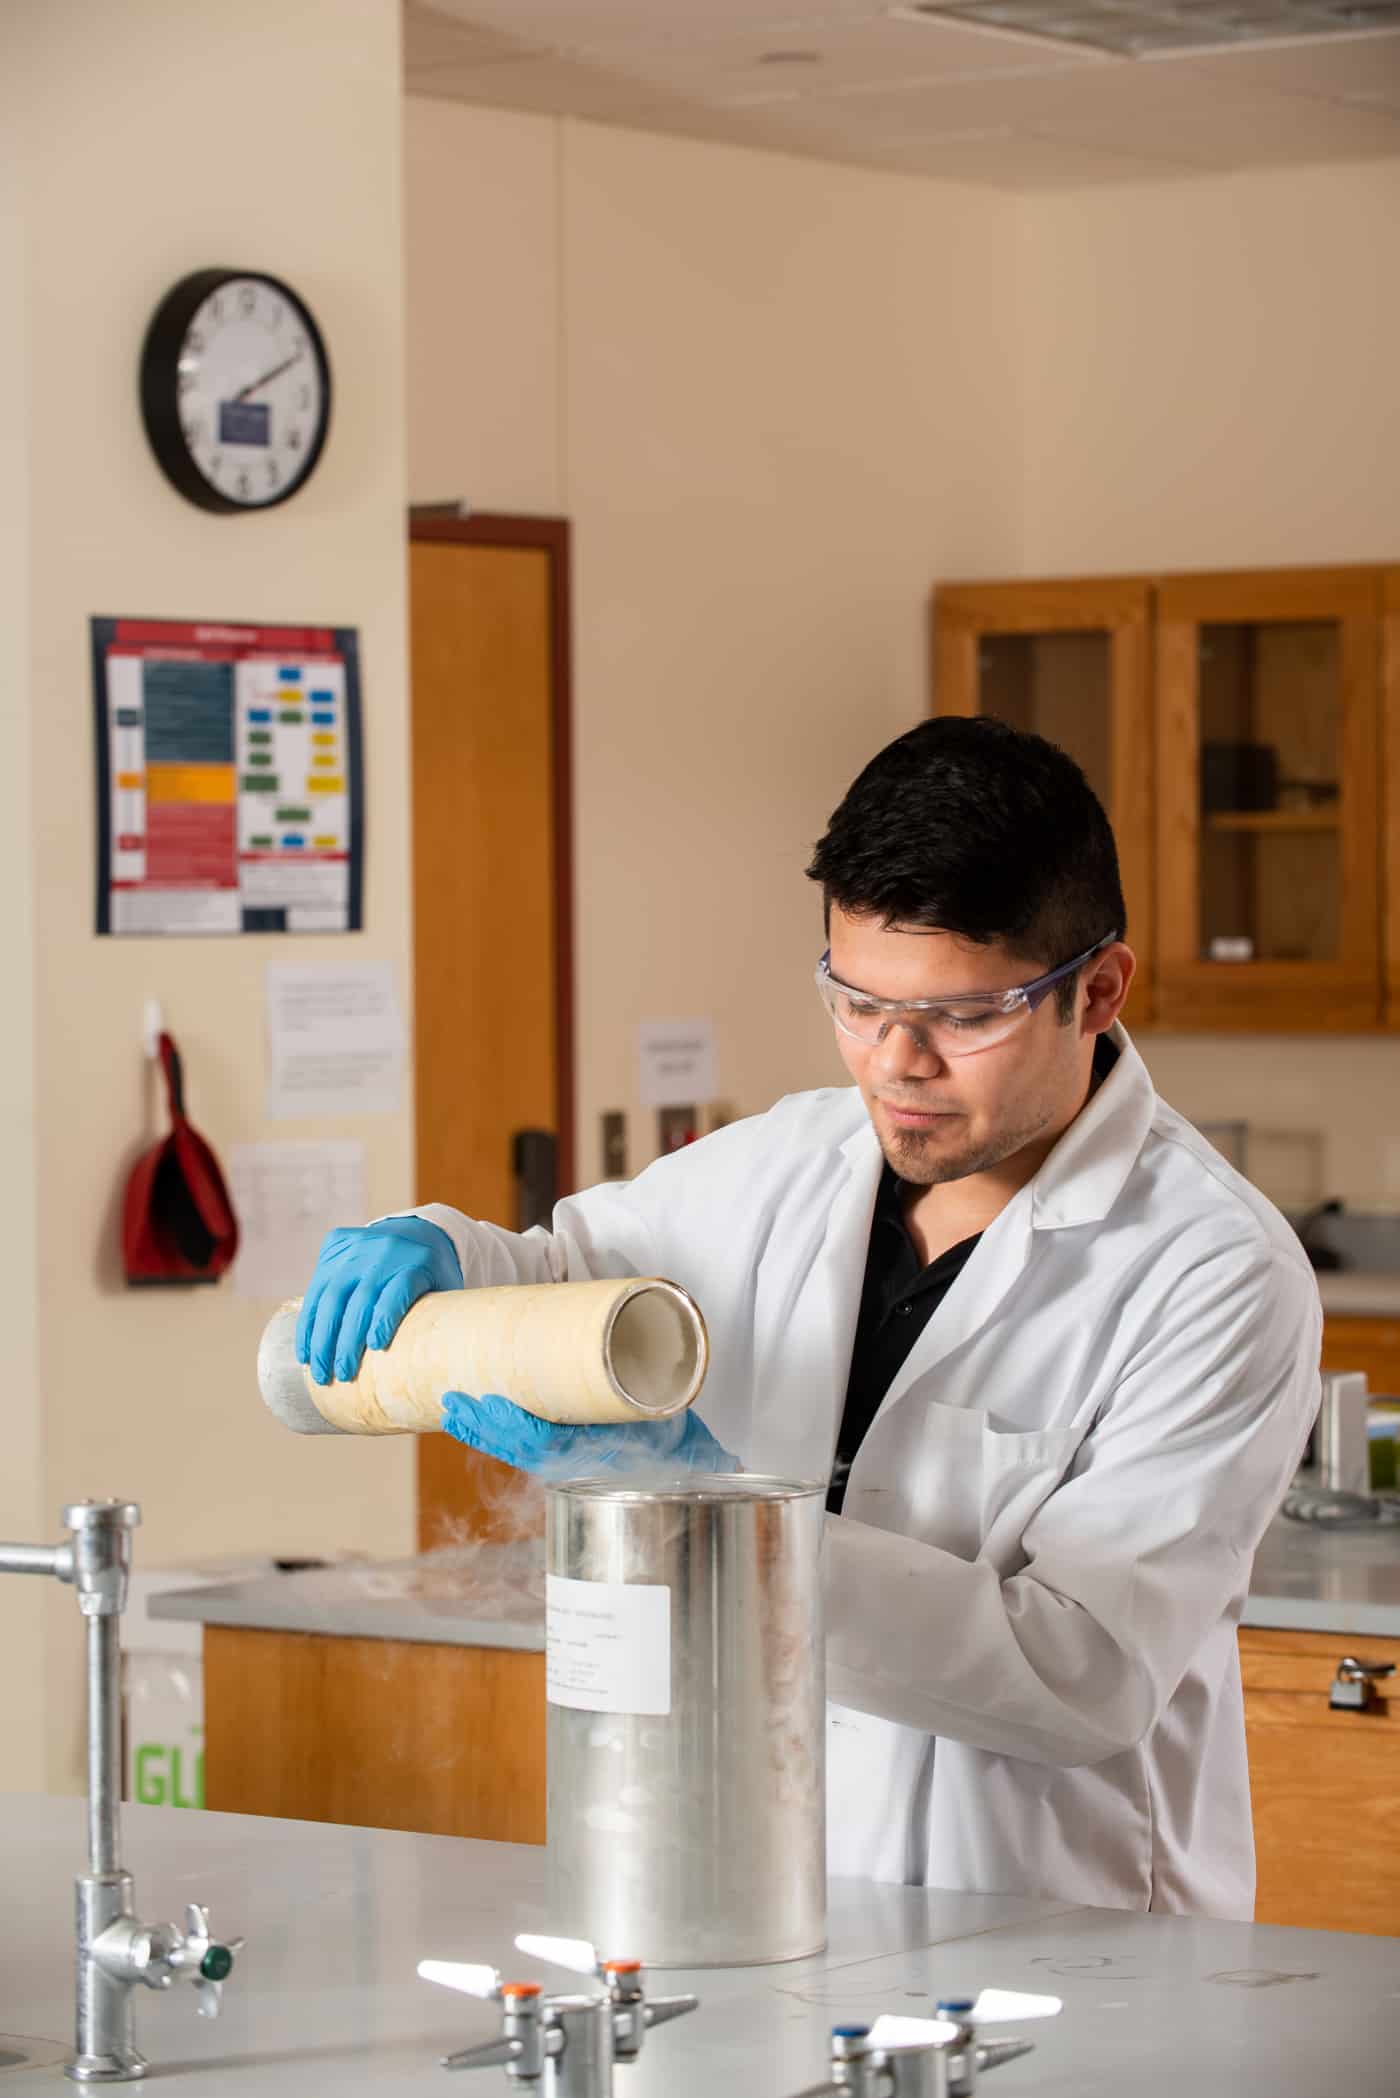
{"x":178,"y":1224}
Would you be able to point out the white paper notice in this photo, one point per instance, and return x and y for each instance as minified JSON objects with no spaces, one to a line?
{"x":287,"y":1197}
{"x":607,"y":1646}
{"x":335,"y":1039}
{"x":679,"y":1062}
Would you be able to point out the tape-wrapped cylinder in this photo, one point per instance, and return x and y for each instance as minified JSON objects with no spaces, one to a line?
{"x":574,"y":1352}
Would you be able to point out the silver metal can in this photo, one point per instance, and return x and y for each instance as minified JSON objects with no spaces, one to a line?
{"x":687,"y":1721}
{"x":1343,"y":1449}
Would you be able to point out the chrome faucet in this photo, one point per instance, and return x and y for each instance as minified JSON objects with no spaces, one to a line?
{"x":114,"y":1950}
{"x":561,"y":2046}
{"x":939,"y":2057}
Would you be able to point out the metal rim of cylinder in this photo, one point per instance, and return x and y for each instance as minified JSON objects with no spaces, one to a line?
{"x":695,"y":1318}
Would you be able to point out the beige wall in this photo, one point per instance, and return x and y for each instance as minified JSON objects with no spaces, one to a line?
{"x":776,"y":399}
{"x":1210,"y":382}
{"x":22,"y":1512}
{"x":482,"y":304}
{"x":1209,"y":372}
{"x":144,"y":138}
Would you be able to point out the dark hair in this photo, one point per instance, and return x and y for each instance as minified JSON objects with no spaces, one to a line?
{"x":980,"y":829}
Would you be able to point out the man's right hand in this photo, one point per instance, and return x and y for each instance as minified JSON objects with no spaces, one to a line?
{"x":366,"y":1278}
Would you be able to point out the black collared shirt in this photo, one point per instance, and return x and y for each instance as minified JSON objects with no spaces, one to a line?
{"x":898,"y":1298}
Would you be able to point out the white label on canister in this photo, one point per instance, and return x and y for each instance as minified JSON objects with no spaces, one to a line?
{"x":607,"y":1645}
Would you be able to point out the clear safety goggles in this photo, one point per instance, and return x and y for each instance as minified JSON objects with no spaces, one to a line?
{"x":955,"y":1026}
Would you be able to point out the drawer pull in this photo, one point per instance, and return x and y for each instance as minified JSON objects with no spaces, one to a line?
{"x":1354,"y":1685}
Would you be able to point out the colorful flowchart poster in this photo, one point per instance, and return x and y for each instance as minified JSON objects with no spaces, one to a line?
{"x":230,"y":792}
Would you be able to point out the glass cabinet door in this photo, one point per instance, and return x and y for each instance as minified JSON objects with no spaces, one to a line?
{"x":1059,"y":686}
{"x":1069,"y":661}
{"x":1268,"y":806}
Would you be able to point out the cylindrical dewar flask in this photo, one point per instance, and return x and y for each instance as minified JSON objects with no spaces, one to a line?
{"x":685,"y":1666}
{"x":576,"y":1352}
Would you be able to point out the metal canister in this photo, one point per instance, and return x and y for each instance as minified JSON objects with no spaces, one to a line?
{"x":686,"y":1687}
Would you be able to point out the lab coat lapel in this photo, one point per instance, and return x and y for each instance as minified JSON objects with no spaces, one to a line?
{"x":999,"y":1259}
{"x":808,"y":1311}
{"x":1078,"y":1184}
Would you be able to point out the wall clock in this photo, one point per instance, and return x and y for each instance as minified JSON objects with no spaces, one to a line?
{"x":235,"y":389}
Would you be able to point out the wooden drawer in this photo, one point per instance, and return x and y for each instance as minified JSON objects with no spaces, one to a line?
{"x":381,"y":1733}
{"x":1372,"y":1345}
{"x":1325,"y":1784}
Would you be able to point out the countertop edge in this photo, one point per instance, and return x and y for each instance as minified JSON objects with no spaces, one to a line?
{"x":342,"y":1620}
{"x":1291,"y":1613}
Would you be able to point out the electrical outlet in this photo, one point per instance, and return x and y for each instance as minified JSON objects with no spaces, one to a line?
{"x":676,"y":1127}
{"x":613,"y":1133}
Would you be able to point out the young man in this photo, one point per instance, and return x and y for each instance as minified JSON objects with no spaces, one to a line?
{"x":1056,"y":1359}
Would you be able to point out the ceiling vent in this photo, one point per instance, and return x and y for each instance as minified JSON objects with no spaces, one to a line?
{"x":1140,"y":29}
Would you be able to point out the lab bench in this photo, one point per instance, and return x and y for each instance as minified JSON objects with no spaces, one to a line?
{"x":324,"y":1996}
{"x":410,"y":1695}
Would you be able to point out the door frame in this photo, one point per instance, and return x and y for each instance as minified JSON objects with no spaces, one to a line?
{"x":550,"y":536}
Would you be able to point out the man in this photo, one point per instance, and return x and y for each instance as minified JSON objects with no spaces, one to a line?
{"x":1055,"y":1357}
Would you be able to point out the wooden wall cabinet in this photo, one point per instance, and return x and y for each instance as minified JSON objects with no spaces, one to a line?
{"x":1268,"y":805}
{"x":1325,"y":1785}
{"x":1232,"y":725}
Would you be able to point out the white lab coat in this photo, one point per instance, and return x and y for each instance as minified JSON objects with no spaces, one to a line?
{"x":1033,"y":1591}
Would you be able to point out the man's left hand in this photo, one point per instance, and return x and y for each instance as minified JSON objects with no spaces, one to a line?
{"x":512,"y":1436}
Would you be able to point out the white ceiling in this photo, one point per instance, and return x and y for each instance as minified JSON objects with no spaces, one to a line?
{"x":877,"y":86}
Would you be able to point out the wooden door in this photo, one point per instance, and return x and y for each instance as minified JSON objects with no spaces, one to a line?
{"x":488,"y":611}
{"x":1070,"y":660}
{"x":1390,"y":787}
{"x":1269,"y":801}
{"x":1325,"y":1785}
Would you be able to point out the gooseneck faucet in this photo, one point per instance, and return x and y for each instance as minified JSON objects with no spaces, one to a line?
{"x":114,"y":1950}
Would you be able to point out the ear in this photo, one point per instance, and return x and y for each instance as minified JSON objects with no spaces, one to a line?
{"x":1106,"y":984}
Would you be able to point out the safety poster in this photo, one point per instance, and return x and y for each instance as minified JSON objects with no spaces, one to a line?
{"x":230,"y":792}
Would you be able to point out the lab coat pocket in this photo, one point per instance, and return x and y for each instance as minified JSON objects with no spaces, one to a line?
{"x":920,"y":1473}
{"x":1019,"y":1472}
{"x":947,"y":1475}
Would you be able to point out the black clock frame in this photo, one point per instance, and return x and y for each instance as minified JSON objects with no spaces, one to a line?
{"x":160,"y":388}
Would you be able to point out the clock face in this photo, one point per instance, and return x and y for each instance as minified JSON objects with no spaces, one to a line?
{"x":236,"y":389}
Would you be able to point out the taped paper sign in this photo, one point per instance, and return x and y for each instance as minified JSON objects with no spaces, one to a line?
{"x":608,"y":1646}
{"x":679,"y":1062}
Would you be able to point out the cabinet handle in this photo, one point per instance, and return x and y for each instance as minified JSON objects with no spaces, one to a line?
{"x":1354,"y":1685}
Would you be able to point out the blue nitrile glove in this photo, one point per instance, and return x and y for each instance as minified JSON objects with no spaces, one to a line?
{"x":366,"y":1278}
{"x":508,"y":1433}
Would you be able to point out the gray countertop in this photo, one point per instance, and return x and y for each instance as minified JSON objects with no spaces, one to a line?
{"x":325,"y":1996}
{"x":1305,"y":1579}
{"x":468,"y":1595}
{"x":1356,"y":1294}
{"x":1310,"y":1579}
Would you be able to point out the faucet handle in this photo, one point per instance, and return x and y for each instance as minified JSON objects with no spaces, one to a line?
{"x":204,"y":1960}
{"x":471,"y":1978}
{"x":575,"y":1955}
{"x":523,"y":2045}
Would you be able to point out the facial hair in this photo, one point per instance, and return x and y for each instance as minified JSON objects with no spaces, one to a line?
{"x":910,"y":1155}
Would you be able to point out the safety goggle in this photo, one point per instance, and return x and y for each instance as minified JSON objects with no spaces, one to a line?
{"x":956,"y":1026}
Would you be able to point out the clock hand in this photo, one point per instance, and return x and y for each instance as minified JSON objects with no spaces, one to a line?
{"x":267,"y":377}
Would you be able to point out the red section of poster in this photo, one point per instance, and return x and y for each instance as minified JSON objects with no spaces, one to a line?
{"x":205,"y":641}
{"x":191,"y":845}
